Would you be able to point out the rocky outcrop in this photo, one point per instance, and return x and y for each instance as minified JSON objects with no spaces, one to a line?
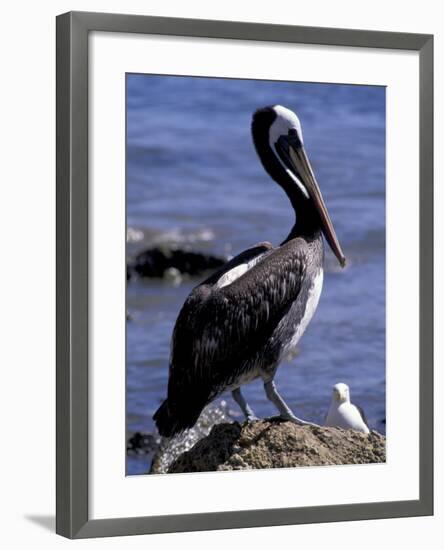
{"x":142,"y":443}
{"x":169,"y":450}
{"x":160,"y":261}
{"x":273,"y":443}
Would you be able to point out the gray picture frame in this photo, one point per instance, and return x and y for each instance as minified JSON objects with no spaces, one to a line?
{"x":72,"y":518}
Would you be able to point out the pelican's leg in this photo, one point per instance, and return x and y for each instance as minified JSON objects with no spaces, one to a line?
{"x":246,"y":409}
{"x":285,"y":411}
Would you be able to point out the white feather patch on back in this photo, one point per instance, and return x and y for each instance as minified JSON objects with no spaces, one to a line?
{"x":234,"y":274}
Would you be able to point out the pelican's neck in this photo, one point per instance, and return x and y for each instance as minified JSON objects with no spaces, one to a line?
{"x":307,"y":223}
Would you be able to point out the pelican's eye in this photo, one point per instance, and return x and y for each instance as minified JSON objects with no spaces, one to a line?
{"x":293,"y":138}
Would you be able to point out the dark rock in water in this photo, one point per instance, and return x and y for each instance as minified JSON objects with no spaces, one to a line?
{"x":272,"y":443}
{"x":155,"y":262}
{"x":142,"y":443}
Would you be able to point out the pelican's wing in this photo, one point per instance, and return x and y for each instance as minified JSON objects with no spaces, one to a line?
{"x":239,"y":263}
{"x":219,"y":328}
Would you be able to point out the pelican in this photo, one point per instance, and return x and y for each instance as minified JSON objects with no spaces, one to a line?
{"x":239,"y":324}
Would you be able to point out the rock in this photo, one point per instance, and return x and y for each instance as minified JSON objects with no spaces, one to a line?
{"x":142,"y":443}
{"x":171,"y":449}
{"x":173,"y":276}
{"x":273,"y":443}
{"x":155,"y":262}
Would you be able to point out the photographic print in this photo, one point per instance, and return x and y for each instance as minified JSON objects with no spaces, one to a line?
{"x":255,"y":274}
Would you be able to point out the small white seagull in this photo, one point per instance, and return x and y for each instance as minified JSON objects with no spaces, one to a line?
{"x":343,"y":414}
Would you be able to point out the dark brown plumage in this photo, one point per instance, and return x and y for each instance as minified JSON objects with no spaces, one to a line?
{"x":239,"y":323}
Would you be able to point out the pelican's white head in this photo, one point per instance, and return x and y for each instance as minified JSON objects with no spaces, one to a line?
{"x":341,"y":393}
{"x":285,"y":122}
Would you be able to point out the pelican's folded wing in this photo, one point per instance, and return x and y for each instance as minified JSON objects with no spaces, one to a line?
{"x":219,"y":329}
{"x":242,"y":262}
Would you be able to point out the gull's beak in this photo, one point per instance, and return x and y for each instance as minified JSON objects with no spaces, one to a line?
{"x":296,"y":159}
{"x":339,"y":395}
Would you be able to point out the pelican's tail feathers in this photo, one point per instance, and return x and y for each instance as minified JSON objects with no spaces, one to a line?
{"x":170,"y":423}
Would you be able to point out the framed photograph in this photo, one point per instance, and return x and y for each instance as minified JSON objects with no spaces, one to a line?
{"x":244,"y":275}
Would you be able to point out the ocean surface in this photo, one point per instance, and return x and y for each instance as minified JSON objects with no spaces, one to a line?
{"x":194,"y":180}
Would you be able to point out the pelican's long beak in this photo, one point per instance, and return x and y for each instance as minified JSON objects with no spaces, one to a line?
{"x":298,"y":162}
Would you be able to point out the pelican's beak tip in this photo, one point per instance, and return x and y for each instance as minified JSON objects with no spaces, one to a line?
{"x":343,"y":262}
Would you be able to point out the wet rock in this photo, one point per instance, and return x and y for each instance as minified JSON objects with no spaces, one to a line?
{"x":273,"y":443}
{"x":157,"y":261}
{"x":171,"y":450}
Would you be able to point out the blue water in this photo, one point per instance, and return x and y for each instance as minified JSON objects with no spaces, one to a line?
{"x":193,"y":178}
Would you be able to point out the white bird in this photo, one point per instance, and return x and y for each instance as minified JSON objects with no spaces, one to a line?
{"x":343,"y":414}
